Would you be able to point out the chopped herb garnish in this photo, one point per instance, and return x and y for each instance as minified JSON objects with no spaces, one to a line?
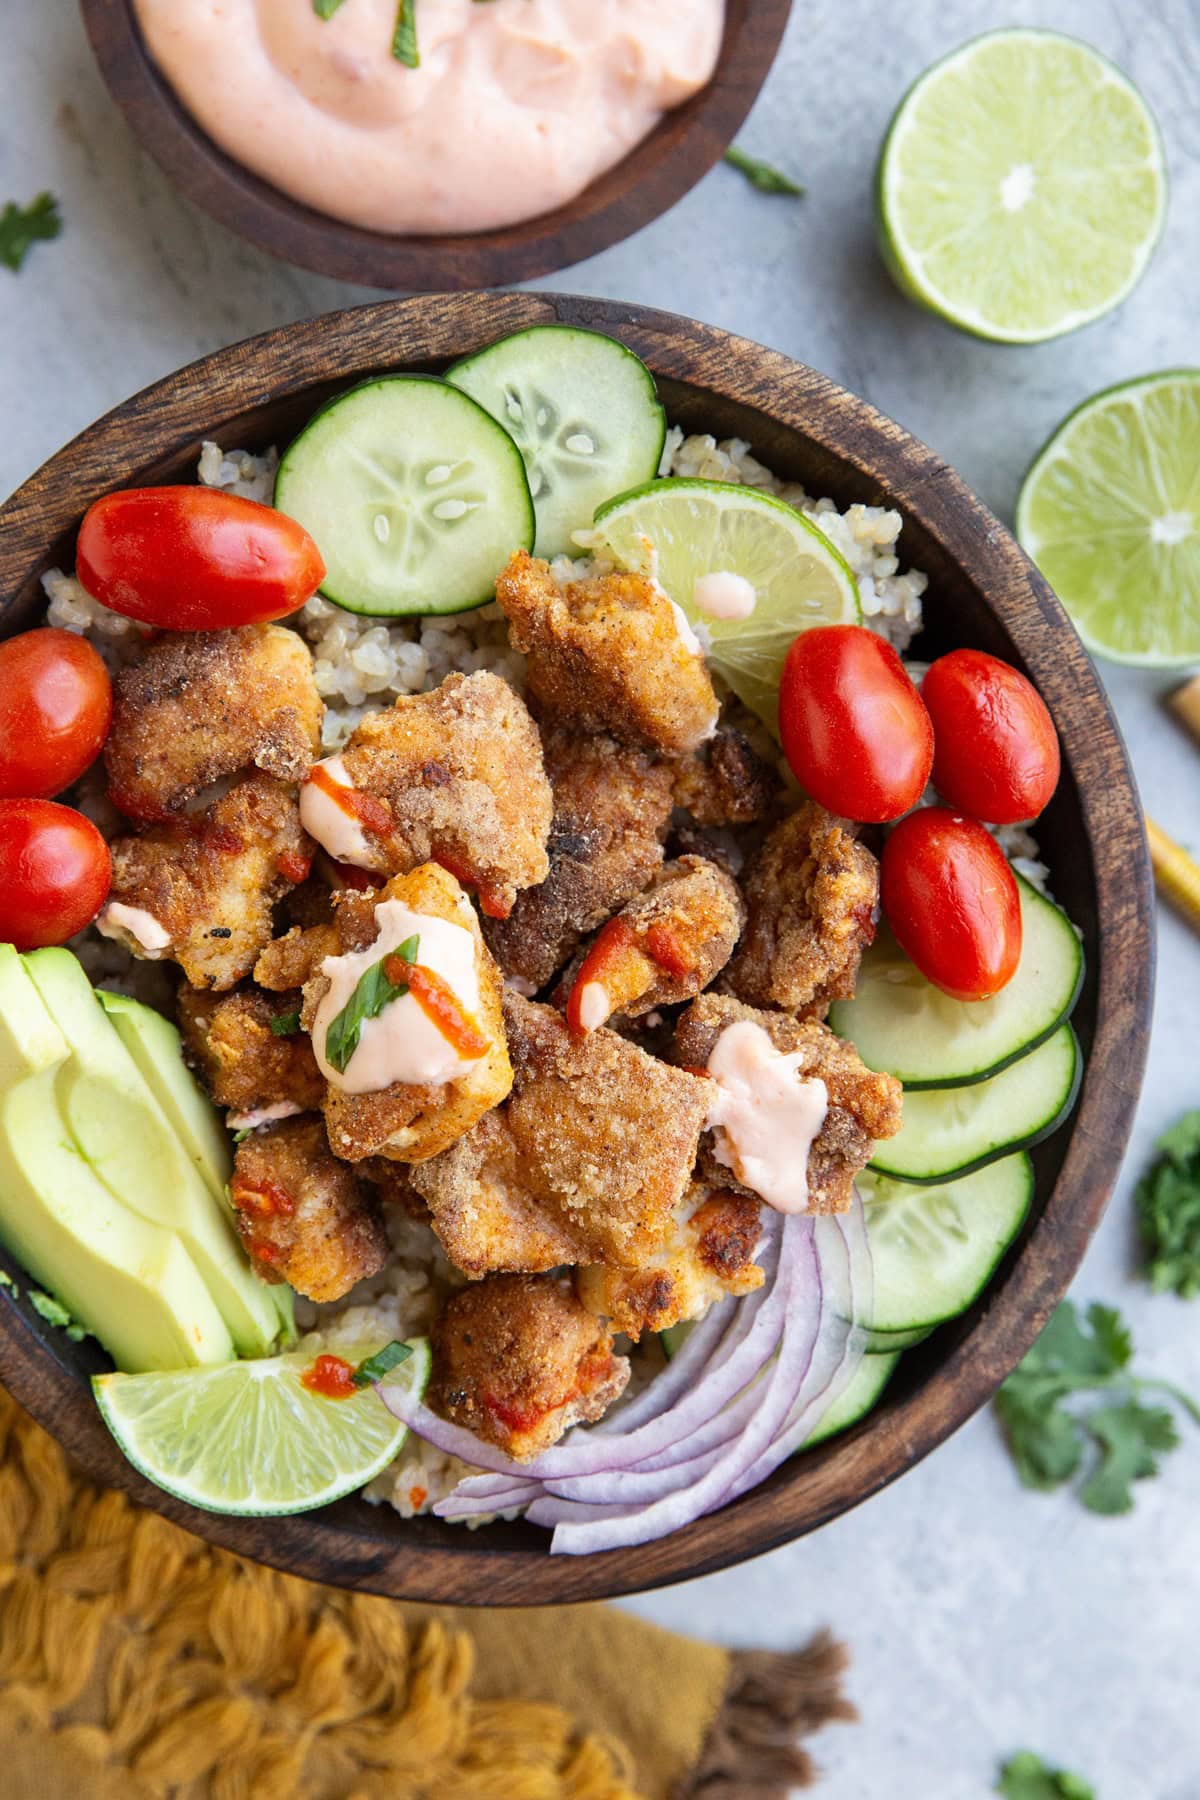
{"x":55,"y":1313}
{"x":1168,"y":1209}
{"x":374,"y":1368}
{"x":23,"y":226}
{"x":374,"y":991}
{"x":286,"y":1024}
{"x":404,"y":38}
{"x":325,"y":9}
{"x":7,"y":1281}
{"x":762,"y":175}
{"x":1026,"y":1777}
{"x":239,"y":1137}
{"x":1121,"y":1440}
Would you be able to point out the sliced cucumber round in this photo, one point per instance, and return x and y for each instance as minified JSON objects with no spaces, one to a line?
{"x":935,"y":1248}
{"x":901,"y":1023}
{"x":856,"y":1400}
{"x":584,"y":413}
{"x":414,"y":494}
{"x":883,"y":1343}
{"x":954,"y":1131}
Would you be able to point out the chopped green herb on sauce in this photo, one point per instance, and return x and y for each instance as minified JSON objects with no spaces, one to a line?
{"x":404,"y":39}
{"x":373,"y":992}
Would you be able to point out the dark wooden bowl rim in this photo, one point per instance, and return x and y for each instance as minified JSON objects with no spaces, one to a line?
{"x":655,"y":174}
{"x":248,"y":392}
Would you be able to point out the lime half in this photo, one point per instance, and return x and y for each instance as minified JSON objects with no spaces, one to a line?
{"x":1021,"y":187}
{"x":682,"y":531}
{"x":249,"y":1438}
{"x":1110,"y":513}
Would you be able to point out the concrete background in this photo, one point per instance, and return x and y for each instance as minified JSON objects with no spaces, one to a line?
{"x":982,"y":1618}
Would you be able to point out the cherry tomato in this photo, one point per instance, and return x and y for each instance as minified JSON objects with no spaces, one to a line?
{"x":195,"y":558}
{"x":952,"y":902}
{"x":55,"y":710}
{"x":55,"y":873}
{"x":853,"y":726}
{"x":995,"y":749}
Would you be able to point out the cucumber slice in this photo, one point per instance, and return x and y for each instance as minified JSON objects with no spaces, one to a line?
{"x":901,"y":1023}
{"x":954,"y":1131}
{"x":856,"y":1400}
{"x":414,"y":494}
{"x":936,"y":1248}
{"x":883,"y":1343}
{"x":584,"y":413}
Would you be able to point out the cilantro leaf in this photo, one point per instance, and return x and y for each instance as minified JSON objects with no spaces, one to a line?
{"x":762,"y":175}
{"x":1167,"y":1199}
{"x":23,"y":226}
{"x":1044,"y":1439}
{"x":1026,"y":1777}
{"x":374,"y":991}
{"x":1129,"y":1435}
{"x":374,"y":1368}
{"x":285,"y":1024}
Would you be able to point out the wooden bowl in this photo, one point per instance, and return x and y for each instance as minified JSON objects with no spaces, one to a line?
{"x":982,"y":591}
{"x":655,"y":174}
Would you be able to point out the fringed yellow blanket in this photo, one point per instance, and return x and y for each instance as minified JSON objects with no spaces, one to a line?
{"x":137,"y":1663}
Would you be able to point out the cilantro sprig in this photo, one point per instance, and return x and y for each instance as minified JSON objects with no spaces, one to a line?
{"x":374,"y":1368}
{"x":763,"y":175}
{"x":23,"y":226}
{"x":1115,"y":1441}
{"x":1168,"y":1210}
{"x":373,"y":992}
{"x":1026,"y":1777}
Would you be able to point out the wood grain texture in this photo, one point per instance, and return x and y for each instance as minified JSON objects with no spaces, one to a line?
{"x":655,"y":174}
{"x":982,"y":591}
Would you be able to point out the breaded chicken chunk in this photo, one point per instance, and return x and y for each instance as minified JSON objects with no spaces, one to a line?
{"x":612,"y":806}
{"x":201,"y":705}
{"x":726,"y":782}
{"x":812,"y":899}
{"x":586,"y":1163}
{"x":518,"y":1361}
{"x":661,"y":949}
{"x":607,"y":654}
{"x":405,"y":1121}
{"x":200,"y":891}
{"x":708,"y":1255}
{"x":862,"y":1105}
{"x":453,"y":777}
{"x":303,"y":1216}
{"x":249,"y":1050}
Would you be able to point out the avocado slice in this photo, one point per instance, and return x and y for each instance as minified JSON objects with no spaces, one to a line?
{"x":129,"y":1144}
{"x":131,"y":1283}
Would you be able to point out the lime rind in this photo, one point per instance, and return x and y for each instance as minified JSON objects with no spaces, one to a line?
{"x":248,"y":1440}
{"x":1078,"y":256}
{"x":1110,"y":513}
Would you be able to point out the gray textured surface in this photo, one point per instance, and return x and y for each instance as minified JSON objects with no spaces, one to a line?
{"x":981,"y":1618}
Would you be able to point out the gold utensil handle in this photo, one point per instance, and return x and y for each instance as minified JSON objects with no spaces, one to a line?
{"x":1177,"y":873}
{"x":1184,"y":703}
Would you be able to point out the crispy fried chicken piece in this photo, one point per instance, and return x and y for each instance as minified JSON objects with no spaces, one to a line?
{"x":288,"y":961}
{"x":606,"y":654}
{"x":454,"y":777}
{"x":812,"y":896}
{"x":391,"y":1182}
{"x":201,"y":705}
{"x":586,"y":1163}
{"x":406,"y":1122}
{"x":863,"y":1106}
{"x":303,"y":1216}
{"x":612,"y":806}
{"x":726,"y":782}
{"x":661,"y":949}
{"x":709,"y":1254}
{"x":518,"y":1361}
{"x":244,"y":1063}
{"x":200,"y":890}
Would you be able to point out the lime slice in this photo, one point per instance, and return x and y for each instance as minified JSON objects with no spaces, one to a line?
{"x":1021,"y":187}
{"x":1110,"y":513}
{"x":249,"y":1438}
{"x":681,"y":530}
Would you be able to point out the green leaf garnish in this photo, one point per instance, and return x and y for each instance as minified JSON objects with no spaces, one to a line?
{"x":1119,"y":1438}
{"x":325,"y":9}
{"x":404,"y":38}
{"x":373,"y":992}
{"x":1026,"y":1777}
{"x":762,"y":175}
{"x":7,"y":1281}
{"x":23,"y":226}
{"x":286,"y":1024}
{"x":239,"y":1137}
{"x":1168,"y":1210}
{"x":374,"y":1368}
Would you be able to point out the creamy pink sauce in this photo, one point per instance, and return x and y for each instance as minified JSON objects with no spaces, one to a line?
{"x":122,"y":922}
{"x":516,"y":106}
{"x":765,"y":1116}
{"x":336,"y":830}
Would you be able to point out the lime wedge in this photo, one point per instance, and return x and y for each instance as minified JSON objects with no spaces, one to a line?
{"x":1110,"y":513}
{"x":249,"y":1438}
{"x":682,"y":530}
{"x":1021,"y":187}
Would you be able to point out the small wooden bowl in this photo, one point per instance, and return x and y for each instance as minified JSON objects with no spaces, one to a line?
{"x":982,"y":591}
{"x":657,"y":173}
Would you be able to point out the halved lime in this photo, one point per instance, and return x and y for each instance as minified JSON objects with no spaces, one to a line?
{"x":682,"y":530}
{"x":1110,"y":513}
{"x":248,"y":1438}
{"x":1021,"y":187}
